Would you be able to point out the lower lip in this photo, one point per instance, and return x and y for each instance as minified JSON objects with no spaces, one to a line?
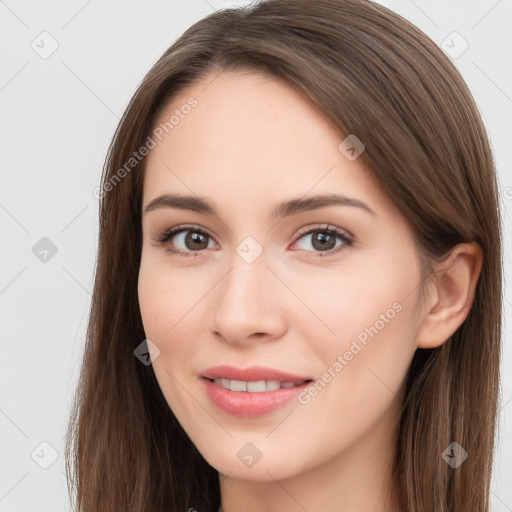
{"x":250,"y":405}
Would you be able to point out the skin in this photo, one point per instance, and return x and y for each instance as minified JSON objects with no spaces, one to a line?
{"x":251,"y":142}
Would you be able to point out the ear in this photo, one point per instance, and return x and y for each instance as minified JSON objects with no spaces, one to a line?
{"x":450,"y":297}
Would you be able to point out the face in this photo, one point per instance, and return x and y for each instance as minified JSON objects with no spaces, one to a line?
{"x":326,"y":294}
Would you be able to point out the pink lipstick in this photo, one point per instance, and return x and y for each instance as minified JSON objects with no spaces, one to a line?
{"x":251,"y":392}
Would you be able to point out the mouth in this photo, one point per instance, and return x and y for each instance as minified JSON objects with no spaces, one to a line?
{"x":252,"y":374}
{"x":259,"y":386}
{"x":252,"y":391}
{"x":251,"y":399}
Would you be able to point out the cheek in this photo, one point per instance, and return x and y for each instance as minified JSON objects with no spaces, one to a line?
{"x":152,"y":302}
{"x":164,"y":305}
{"x":170,"y":304}
{"x":360,"y":303}
{"x":162,"y":296}
{"x":372,"y":319}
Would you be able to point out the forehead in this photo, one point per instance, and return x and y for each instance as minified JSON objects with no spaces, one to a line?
{"x":245,"y":111}
{"x":250,"y":136}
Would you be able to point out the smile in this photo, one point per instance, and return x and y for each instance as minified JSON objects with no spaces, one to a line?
{"x":255,"y":386}
{"x":251,"y":399}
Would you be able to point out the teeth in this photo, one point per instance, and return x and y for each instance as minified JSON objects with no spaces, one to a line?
{"x":255,"y":387}
{"x":258,"y":386}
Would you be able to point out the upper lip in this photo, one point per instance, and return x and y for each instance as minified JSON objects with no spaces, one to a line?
{"x":252,"y":373}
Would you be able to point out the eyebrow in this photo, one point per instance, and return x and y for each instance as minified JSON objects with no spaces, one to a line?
{"x":284,"y":209}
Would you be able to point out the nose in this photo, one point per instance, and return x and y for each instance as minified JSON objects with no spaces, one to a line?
{"x":248,"y":303}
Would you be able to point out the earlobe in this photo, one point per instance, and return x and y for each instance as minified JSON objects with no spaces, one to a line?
{"x":451,"y":295}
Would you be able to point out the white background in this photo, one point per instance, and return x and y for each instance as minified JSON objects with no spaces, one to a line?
{"x":57,"y":118}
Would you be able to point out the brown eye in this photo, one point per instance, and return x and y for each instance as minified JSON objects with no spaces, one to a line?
{"x":185,"y":240}
{"x":324,"y":240}
{"x":195,"y":241}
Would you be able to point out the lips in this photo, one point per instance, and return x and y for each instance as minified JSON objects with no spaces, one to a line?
{"x":251,"y":374}
{"x":251,"y":403}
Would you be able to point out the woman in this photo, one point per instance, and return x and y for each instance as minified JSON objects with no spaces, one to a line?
{"x":300,"y":231}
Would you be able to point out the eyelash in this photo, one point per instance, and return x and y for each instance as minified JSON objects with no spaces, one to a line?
{"x":168,"y":234}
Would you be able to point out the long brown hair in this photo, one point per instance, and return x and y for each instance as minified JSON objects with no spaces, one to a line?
{"x":380,"y":78}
